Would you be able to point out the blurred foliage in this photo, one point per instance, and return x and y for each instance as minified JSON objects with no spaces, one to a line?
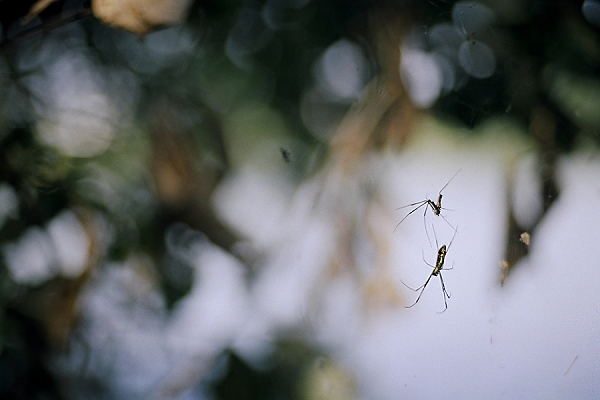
{"x":169,"y":114}
{"x":244,"y":382}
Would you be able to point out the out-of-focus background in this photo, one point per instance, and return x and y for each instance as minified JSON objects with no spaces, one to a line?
{"x":238,"y":199}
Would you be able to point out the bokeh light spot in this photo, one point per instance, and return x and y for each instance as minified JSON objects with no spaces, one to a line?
{"x":477,"y":59}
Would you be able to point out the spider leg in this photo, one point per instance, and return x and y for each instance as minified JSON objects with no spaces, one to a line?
{"x":444,"y":187}
{"x":445,"y":294}
{"x":430,"y":204}
{"x":422,"y":203}
{"x":437,"y":246}
{"x":414,"y":290}
{"x":452,"y":240}
{"x":425,"y":261}
{"x":422,"y":290}
{"x":448,"y":269}
{"x":449,"y":224}
{"x":413,"y":204}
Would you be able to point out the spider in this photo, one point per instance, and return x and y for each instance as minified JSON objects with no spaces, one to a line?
{"x":435,"y":207}
{"x":437,"y":271}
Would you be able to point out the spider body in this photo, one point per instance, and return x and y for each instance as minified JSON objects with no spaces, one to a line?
{"x":437,"y":271}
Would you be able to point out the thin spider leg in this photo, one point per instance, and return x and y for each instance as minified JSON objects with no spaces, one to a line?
{"x":422,"y":290}
{"x":414,"y":290}
{"x":423,"y":254}
{"x":445,"y":307}
{"x":413,"y":204}
{"x":444,"y":187}
{"x":437,"y":245}
{"x":452,"y":240}
{"x":448,"y":269}
{"x":425,"y":223}
{"x":449,"y":224}
{"x":406,"y":216}
{"x":445,"y":294}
